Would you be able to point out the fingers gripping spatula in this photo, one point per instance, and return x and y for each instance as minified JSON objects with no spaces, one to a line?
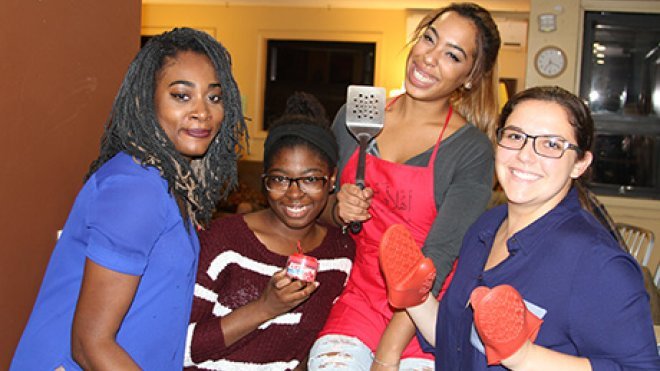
{"x":365,"y":113}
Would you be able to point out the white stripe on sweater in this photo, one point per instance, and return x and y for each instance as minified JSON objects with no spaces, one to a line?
{"x":221,"y":261}
{"x":231,"y":257}
{"x":218,"y":264}
{"x":220,"y":310}
{"x":226,"y":365}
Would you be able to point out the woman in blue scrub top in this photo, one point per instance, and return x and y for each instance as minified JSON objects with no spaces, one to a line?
{"x":118,"y":289}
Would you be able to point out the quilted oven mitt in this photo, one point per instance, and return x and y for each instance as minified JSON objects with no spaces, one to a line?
{"x":409,"y":275}
{"x":503,"y":321}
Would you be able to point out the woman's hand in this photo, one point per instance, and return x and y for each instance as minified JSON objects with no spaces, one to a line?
{"x":280,"y":295}
{"x":283,"y":293}
{"x":503,"y":321}
{"x":353,"y":203}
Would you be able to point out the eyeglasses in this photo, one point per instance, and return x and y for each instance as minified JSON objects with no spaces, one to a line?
{"x":281,"y":183}
{"x":551,"y":146}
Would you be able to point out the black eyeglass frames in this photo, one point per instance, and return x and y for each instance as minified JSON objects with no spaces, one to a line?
{"x":308,"y":184}
{"x":551,"y":146}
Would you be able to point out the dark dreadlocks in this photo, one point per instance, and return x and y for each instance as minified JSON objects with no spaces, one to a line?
{"x":133,"y":127}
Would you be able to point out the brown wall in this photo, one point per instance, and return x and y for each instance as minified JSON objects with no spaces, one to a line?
{"x":61,"y":64}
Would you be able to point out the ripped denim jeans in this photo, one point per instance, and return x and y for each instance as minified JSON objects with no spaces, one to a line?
{"x":341,"y":352}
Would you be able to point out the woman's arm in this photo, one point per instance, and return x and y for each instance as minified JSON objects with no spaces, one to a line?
{"x":213,"y":338}
{"x":401,"y":329}
{"x":125,"y":218}
{"x":608,"y":318}
{"x":511,"y":346}
{"x":425,"y":317}
{"x":534,"y":357}
{"x":422,"y":317}
{"x":463,"y":178}
{"x":280,"y":295}
{"x":105,"y":297}
{"x":609,"y":311}
{"x":394,"y":340}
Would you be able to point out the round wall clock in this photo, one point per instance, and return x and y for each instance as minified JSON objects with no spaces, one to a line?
{"x":550,"y":61}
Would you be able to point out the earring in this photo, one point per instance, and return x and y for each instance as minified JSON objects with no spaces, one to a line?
{"x":467,"y":85}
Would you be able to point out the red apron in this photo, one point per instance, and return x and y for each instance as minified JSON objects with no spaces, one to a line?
{"x":402,"y":194}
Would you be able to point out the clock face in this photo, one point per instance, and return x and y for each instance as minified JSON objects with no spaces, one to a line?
{"x":550,"y":61}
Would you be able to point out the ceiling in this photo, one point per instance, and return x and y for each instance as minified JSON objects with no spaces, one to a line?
{"x":493,"y":5}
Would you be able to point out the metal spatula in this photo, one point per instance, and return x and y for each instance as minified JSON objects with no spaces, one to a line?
{"x":365,"y":113}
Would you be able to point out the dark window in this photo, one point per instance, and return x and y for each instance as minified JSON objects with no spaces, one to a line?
{"x":624,"y":159}
{"x":322,"y":68}
{"x":621,"y":82}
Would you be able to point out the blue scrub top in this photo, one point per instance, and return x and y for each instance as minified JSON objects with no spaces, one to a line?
{"x":125,"y":220}
{"x":572,"y":273}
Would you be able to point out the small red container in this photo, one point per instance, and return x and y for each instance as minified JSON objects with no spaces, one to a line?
{"x":302,"y":267}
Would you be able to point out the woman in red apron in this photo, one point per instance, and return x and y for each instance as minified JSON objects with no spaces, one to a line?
{"x":431,"y":170}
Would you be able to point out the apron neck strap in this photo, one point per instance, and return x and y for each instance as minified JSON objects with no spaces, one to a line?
{"x":442,"y":133}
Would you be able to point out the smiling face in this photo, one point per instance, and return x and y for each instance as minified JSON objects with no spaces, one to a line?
{"x":188,"y":102}
{"x":532,"y":181}
{"x":442,"y":59}
{"x":294,"y":208}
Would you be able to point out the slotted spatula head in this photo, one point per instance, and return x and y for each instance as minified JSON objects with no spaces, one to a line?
{"x":365,"y":114}
{"x":365,"y":110}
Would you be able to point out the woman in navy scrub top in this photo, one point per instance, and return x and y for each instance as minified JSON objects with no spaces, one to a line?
{"x":569,"y":270}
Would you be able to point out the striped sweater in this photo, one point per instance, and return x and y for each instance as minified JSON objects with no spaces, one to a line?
{"x":234,"y":267}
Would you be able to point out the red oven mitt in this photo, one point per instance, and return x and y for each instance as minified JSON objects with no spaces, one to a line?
{"x":503,"y":321}
{"x":409,"y":275}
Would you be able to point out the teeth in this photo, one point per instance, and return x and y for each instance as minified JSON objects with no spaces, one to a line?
{"x":421,"y":77}
{"x":295,"y":210}
{"x":524,"y":175}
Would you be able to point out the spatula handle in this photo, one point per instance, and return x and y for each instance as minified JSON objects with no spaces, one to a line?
{"x":356,"y":227}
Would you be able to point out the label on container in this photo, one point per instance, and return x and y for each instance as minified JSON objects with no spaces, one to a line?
{"x":302,"y":267}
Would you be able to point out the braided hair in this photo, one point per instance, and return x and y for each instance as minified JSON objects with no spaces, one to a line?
{"x":133,"y":126}
{"x":303,"y":123}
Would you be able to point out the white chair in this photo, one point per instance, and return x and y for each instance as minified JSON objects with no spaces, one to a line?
{"x":656,"y":278}
{"x":639,"y":242}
